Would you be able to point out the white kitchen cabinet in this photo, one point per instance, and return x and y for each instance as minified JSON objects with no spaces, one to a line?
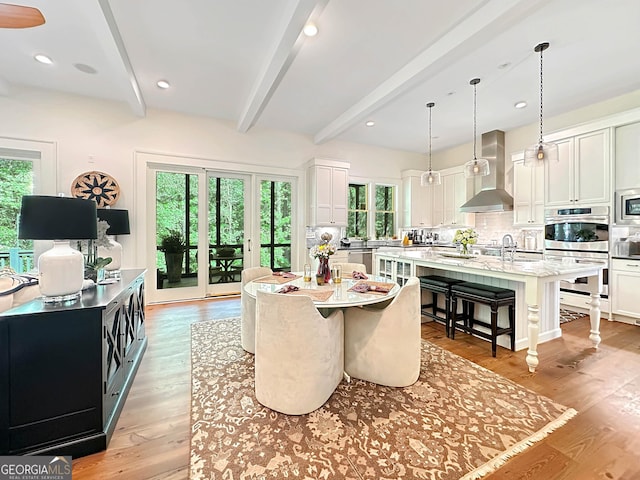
{"x":417,"y":204}
{"x":582,"y":174}
{"x":624,"y":285}
{"x":627,"y":155}
{"x":449,"y":197}
{"x":528,"y":193}
{"x":438,"y":205}
{"x":328,"y":192}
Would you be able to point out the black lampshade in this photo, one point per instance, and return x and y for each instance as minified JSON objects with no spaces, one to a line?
{"x":118,"y":220}
{"x":57,"y":218}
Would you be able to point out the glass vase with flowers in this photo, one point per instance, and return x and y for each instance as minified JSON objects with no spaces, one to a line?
{"x":464,"y":238}
{"x":322,"y":252}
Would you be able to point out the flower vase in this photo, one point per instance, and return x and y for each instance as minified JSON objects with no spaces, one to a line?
{"x":323,"y":269}
{"x":464,"y":249}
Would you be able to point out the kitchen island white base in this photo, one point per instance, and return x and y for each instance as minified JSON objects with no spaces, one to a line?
{"x":536,"y":285}
{"x":549,"y":327}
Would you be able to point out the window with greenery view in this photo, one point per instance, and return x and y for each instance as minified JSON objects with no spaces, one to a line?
{"x":385,"y":213}
{"x":16,"y":178}
{"x":358,"y":210}
{"x":275,"y":225}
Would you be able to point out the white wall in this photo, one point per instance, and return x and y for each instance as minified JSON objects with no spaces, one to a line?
{"x":101,"y":135}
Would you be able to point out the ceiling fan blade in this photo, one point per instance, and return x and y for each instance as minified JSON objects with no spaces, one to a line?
{"x":19,"y":16}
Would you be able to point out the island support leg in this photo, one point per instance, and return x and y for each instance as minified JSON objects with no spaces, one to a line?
{"x":533,"y":318}
{"x":594,"y":311}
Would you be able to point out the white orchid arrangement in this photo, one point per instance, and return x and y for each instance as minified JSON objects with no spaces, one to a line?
{"x":466,"y":237}
{"x":90,"y":247}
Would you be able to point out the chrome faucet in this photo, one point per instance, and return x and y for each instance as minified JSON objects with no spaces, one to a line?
{"x":508,"y":245}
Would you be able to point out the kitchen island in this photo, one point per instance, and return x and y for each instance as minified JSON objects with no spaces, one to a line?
{"x":536,"y":284}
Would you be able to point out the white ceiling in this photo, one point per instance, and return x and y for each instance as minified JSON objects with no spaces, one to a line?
{"x":246,"y":61}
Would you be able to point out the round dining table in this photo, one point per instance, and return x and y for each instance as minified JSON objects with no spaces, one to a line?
{"x":342,"y":295}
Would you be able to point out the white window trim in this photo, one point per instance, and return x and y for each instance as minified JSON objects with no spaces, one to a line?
{"x":44,"y":158}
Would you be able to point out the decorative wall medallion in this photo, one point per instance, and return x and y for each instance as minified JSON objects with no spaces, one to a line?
{"x":98,"y":186}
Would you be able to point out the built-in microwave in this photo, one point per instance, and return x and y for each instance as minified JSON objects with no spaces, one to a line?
{"x":628,"y":207}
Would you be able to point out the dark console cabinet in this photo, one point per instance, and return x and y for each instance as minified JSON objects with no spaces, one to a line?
{"x":65,"y":370}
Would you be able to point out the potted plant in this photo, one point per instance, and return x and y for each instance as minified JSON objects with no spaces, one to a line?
{"x":173,"y":246}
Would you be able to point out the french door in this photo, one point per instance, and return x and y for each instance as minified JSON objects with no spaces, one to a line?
{"x":223,"y":222}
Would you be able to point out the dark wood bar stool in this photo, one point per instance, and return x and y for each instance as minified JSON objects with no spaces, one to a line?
{"x":437,"y":284}
{"x":496,"y":297}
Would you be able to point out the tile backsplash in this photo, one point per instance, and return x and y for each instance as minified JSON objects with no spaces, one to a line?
{"x":493,"y":226}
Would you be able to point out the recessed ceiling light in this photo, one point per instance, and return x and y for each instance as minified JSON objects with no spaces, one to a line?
{"x":163,"y":84}
{"x":43,"y":59}
{"x":520,"y":104}
{"x":370,"y":123}
{"x":85,"y":68}
{"x":310,"y":30}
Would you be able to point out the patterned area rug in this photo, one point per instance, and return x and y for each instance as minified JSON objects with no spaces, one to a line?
{"x":570,"y":315}
{"x":458,"y":420}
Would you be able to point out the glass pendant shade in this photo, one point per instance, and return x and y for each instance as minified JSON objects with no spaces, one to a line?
{"x":478,"y":167}
{"x":536,"y":155}
{"x":430,"y":178}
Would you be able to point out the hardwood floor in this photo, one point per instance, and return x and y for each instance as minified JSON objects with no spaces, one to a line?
{"x":151,"y":440}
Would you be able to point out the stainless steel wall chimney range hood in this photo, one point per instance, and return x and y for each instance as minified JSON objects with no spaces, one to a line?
{"x":493,"y":197}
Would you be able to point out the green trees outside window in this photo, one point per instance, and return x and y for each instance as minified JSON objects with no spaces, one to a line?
{"x":358,"y":210}
{"x":16,"y":178}
{"x":385,"y":211}
{"x":177,"y":211}
{"x":275,"y":225}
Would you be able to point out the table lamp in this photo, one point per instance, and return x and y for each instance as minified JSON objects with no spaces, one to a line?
{"x":59,"y":219}
{"x":118,"y":221}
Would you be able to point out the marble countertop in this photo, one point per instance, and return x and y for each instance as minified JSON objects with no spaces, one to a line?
{"x":486,"y":263}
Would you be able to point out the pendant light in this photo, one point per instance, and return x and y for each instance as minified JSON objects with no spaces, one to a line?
{"x":430,"y":178}
{"x":537,"y":154}
{"x":476,"y":167}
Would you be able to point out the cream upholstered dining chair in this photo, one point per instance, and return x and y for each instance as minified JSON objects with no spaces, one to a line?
{"x":383,"y":345}
{"x":299,"y":353}
{"x":248,"y":307}
{"x":351,"y":267}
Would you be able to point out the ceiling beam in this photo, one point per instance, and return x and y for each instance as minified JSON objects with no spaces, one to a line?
{"x":116,"y":51}
{"x":279,"y":60}
{"x":456,"y":42}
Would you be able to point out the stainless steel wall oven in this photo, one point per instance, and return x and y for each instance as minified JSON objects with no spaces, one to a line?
{"x":578,"y":235}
